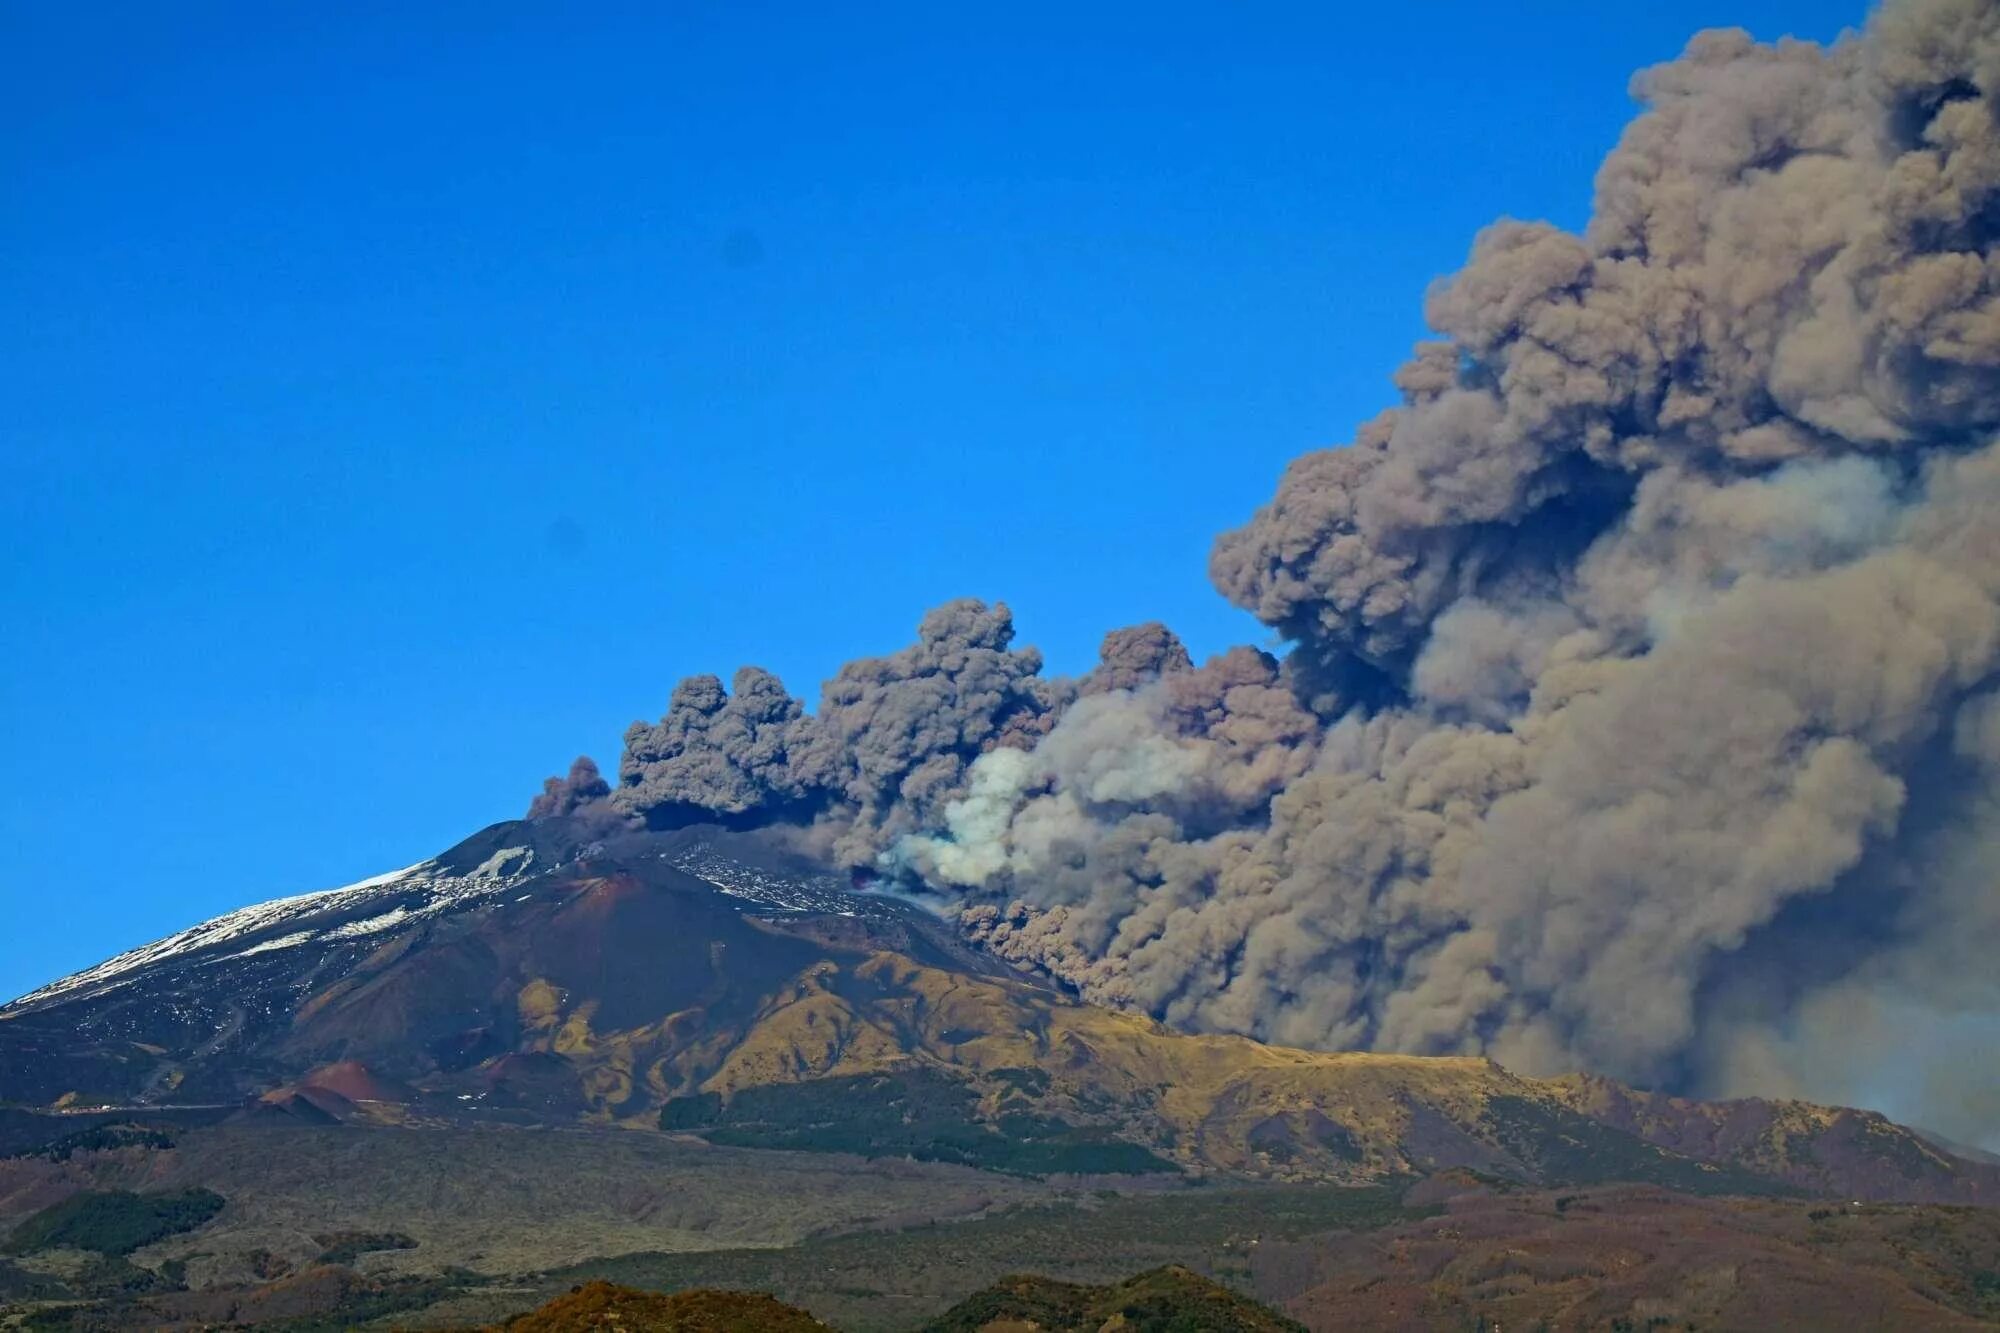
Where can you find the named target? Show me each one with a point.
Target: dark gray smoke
(562, 796)
(1640, 714)
(898, 732)
(889, 744)
(719, 753)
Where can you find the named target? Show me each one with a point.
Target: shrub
(929, 1117)
(101, 1138)
(113, 1222)
(344, 1247)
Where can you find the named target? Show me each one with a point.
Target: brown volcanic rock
(298, 1106)
(604, 1305)
(346, 1092)
(1164, 1300)
(634, 952)
(356, 1082)
(539, 1082)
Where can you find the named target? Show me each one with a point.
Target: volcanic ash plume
(889, 745)
(1640, 712)
(563, 796)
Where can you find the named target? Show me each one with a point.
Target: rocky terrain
(540, 974)
(1168, 1300)
(698, 1057)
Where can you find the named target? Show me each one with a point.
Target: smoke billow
(720, 753)
(563, 796)
(888, 747)
(1640, 707)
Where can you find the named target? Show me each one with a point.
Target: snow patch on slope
(440, 894)
(282, 942)
(371, 925)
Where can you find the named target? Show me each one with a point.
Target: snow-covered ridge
(440, 893)
(381, 903)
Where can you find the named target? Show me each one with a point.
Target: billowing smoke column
(1642, 710)
(563, 796)
(890, 743)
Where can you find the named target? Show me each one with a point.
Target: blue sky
(396, 400)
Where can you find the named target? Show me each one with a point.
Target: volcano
(727, 986)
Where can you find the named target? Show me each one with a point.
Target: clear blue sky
(395, 400)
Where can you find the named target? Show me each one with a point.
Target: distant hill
(1626, 1257)
(601, 1305)
(1166, 1300)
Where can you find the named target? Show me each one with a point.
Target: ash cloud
(723, 752)
(1638, 713)
(565, 795)
(889, 744)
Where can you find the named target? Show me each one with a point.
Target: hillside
(727, 985)
(1639, 1258)
(1451, 1252)
(600, 1305)
(699, 1058)
(1166, 1300)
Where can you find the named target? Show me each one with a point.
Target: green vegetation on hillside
(1165, 1300)
(925, 1116)
(1566, 1148)
(21, 1284)
(886, 1280)
(600, 1305)
(101, 1138)
(344, 1247)
(114, 1221)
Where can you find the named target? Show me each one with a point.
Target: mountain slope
(1165, 1300)
(1820, 1149)
(597, 1305)
(724, 984)
(425, 970)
